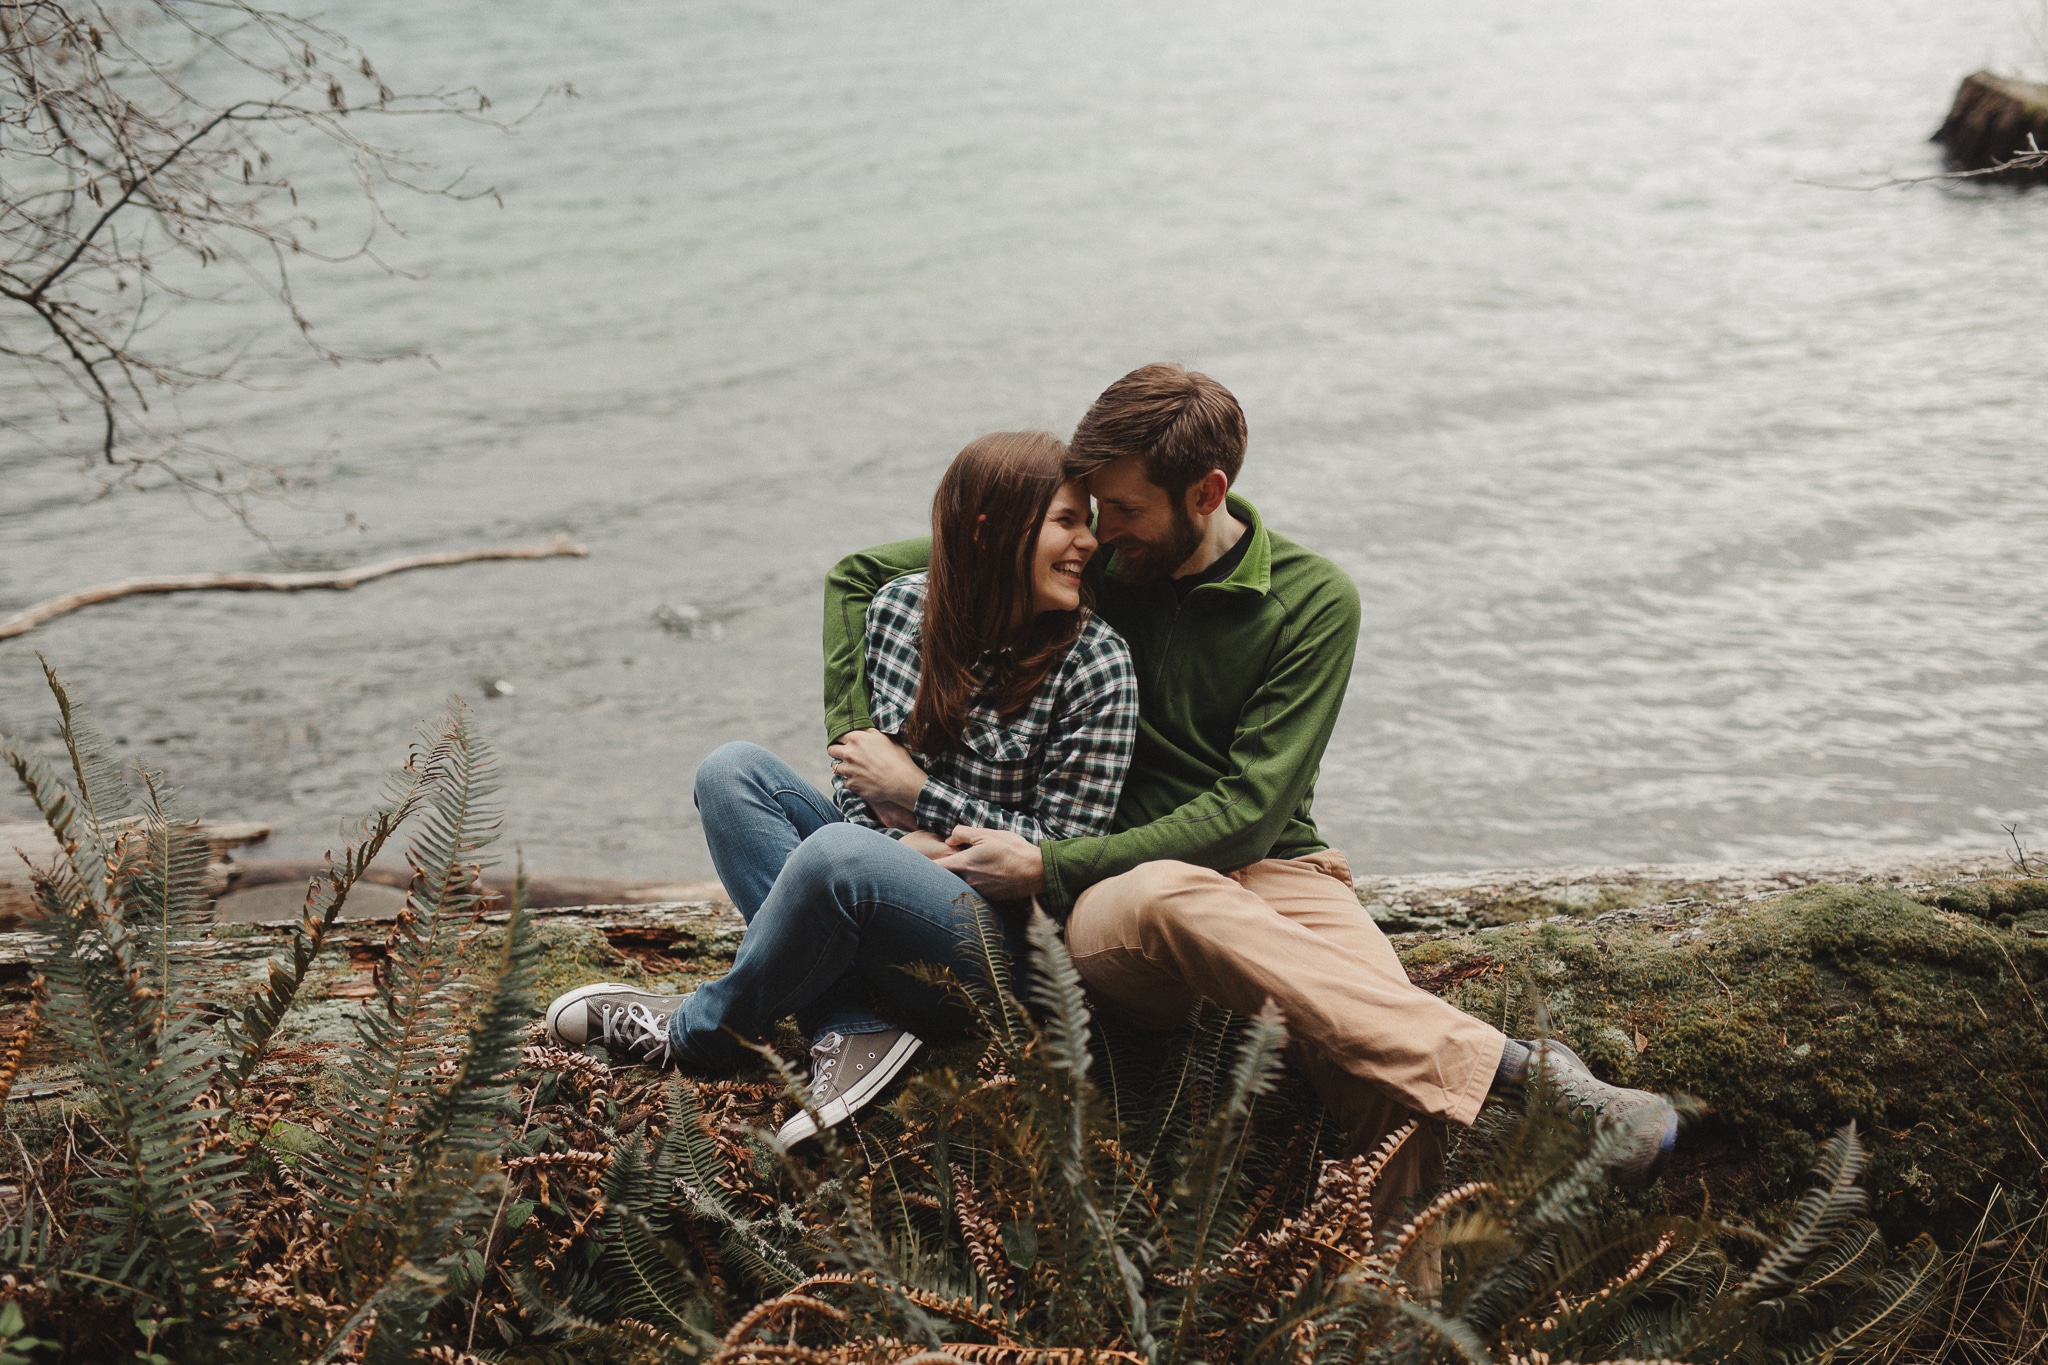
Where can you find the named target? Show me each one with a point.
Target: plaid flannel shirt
(1053, 772)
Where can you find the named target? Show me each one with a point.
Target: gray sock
(1512, 1075)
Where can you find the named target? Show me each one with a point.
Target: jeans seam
(809, 798)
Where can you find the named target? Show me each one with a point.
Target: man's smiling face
(1150, 529)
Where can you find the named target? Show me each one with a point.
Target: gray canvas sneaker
(848, 1070)
(624, 1018)
(1650, 1120)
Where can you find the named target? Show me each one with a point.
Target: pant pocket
(1330, 863)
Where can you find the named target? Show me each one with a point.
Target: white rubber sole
(569, 999)
(802, 1126)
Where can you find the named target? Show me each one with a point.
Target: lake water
(1698, 510)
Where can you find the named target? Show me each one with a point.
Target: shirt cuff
(1056, 900)
(940, 807)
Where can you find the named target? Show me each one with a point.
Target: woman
(1000, 700)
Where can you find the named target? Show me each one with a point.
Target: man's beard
(1155, 561)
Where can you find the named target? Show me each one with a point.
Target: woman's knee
(838, 852)
(729, 766)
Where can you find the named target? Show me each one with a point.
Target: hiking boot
(848, 1070)
(626, 1019)
(1651, 1120)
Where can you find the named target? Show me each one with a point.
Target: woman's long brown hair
(981, 642)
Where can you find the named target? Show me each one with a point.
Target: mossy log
(1916, 1011)
(1990, 124)
(1922, 1020)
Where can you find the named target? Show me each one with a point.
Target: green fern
(453, 1158)
(415, 1146)
(387, 1077)
(1817, 1217)
(249, 1037)
(1204, 1214)
(117, 995)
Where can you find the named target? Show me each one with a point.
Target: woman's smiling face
(1064, 545)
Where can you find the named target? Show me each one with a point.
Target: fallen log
(1917, 1015)
(342, 580)
(1913, 1010)
(26, 845)
(1998, 123)
(542, 892)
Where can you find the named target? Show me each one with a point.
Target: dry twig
(341, 580)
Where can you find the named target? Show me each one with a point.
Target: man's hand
(880, 772)
(1000, 865)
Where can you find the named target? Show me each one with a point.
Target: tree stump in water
(1990, 123)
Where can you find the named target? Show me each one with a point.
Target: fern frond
(401, 1038)
(452, 1159)
(993, 996)
(1453, 1332)
(1160, 1127)
(1203, 1216)
(1816, 1217)
(1056, 989)
(327, 894)
(159, 885)
(1849, 1257)
(466, 1115)
(650, 1273)
(690, 1166)
(161, 1215)
(1056, 986)
(102, 796)
(625, 1340)
(1894, 1305)
(10, 1060)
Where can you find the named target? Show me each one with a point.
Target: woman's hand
(880, 772)
(930, 845)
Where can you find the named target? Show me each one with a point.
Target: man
(1214, 882)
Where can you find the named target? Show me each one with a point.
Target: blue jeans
(834, 913)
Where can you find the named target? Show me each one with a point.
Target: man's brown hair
(1181, 423)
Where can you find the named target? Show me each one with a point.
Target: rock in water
(1991, 122)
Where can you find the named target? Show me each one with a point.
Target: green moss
(290, 1142)
(1490, 907)
(2005, 901)
(1832, 1004)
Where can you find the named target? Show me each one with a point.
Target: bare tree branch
(2033, 159)
(135, 154)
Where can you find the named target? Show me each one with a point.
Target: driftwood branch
(23, 622)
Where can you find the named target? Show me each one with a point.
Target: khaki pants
(1378, 1050)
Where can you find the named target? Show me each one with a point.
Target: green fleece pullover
(1238, 691)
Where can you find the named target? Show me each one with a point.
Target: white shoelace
(825, 1053)
(636, 1030)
